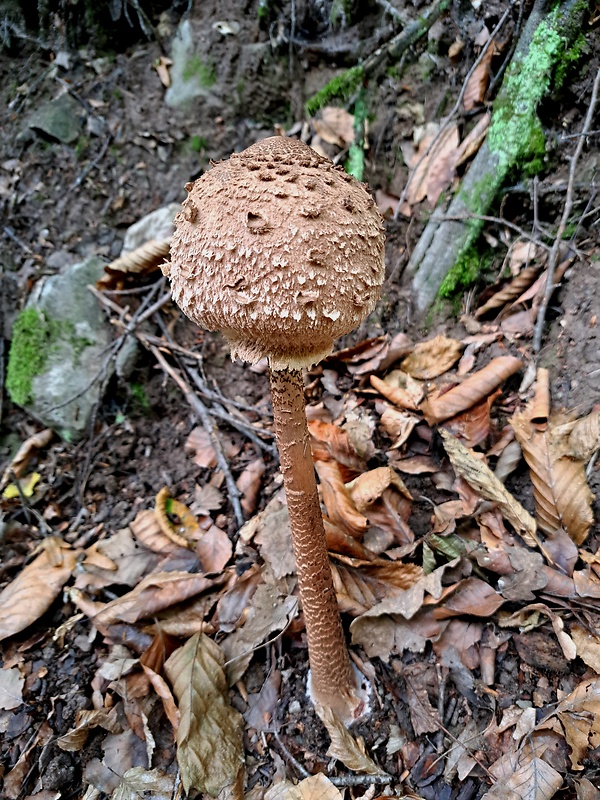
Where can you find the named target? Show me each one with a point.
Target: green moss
(342, 87)
(570, 58)
(34, 337)
(263, 12)
(196, 68)
(465, 272)
(197, 143)
(140, 397)
(341, 13)
(355, 163)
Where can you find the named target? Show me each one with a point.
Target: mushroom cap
(280, 250)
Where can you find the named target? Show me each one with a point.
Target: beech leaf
(210, 750)
(137, 781)
(35, 588)
(432, 358)
(562, 496)
(317, 787)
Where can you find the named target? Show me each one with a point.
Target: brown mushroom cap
(280, 250)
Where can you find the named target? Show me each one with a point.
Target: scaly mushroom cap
(280, 250)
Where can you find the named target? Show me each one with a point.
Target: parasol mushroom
(284, 252)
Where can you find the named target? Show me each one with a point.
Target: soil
(62, 203)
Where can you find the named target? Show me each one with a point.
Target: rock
(156, 225)
(61, 119)
(191, 75)
(58, 363)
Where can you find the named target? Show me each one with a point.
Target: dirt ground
(61, 203)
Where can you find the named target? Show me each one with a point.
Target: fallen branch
(514, 123)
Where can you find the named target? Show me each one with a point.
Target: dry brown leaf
(423, 716)
(588, 646)
(482, 480)
(336, 126)
(510, 291)
(398, 425)
(199, 446)
(332, 443)
(210, 749)
(137, 781)
(34, 589)
(154, 593)
(579, 714)
(472, 427)
(360, 586)
(317, 787)
(344, 746)
(26, 451)
(141, 261)
(432, 358)
(146, 529)
(416, 465)
(473, 141)
(526, 778)
(433, 162)
(274, 536)
(249, 483)
(473, 597)
(478, 81)
(400, 389)
(471, 390)
(562, 496)
(74, 739)
(214, 549)
(162, 689)
(584, 437)
(341, 509)
(370, 486)
(116, 560)
(386, 203)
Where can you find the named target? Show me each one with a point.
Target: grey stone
(60, 119)
(190, 76)
(156, 225)
(77, 365)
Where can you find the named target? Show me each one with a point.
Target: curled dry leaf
(26, 451)
(511, 291)
(400, 389)
(210, 750)
(274, 537)
(471, 390)
(584, 437)
(398, 425)
(478, 82)
(34, 590)
(473, 141)
(176, 520)
(137, 781)
(147, 530)
(473, 425)
(344, 746)
(74, 739)
(370, 486)
(480, 477)
(336, 126)
(140, 261)
(360, 586)
(332, 443)
(433, 162)
(562, 496)
(588, 646)
(340, 506)
(525, 776)
(473, 597)
(432, 358)
(249, 485)
(579, 715)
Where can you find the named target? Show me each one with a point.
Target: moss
(140, 397)
(570, 58)
(515, 133)
(342, 87)
(341, 13)
(355, 163)
(34, 338)
(263, 12)
(196, 68)
(197, 143)
(465, 272)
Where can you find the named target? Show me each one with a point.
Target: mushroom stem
(333, 680)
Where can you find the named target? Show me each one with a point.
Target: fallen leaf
(471, 390)
(433, 163)
(336, 126)
(478, 81)
(199, 446)
(344, 746)
(432, 358)
(583, 437)
(154, 593)
(143, 260)
(359, 586)
(274, 536)
(332, 443)
(26, 451)
(400, 389)
(579, 715)
(588, 646)
(317, 787)
(146, 529)
(473, 141)
(482, 480)
(398, 425)
(473, 426)
(161, 65)
(130, 562)
(214, 549)
(26, 487)
(34, 590)
(106, 718)
(210, 750)
(249, 483)
(423, 716)
(562, 496)
(11, 688)
(472, 596)
(137, 781)
(386, 203)
(263, 704)
(510, 291)
(529, 778)
(341, 509)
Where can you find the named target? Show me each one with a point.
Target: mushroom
(284, 252)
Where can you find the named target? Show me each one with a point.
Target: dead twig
(553, 258)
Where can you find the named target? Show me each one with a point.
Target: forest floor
(481, 636)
